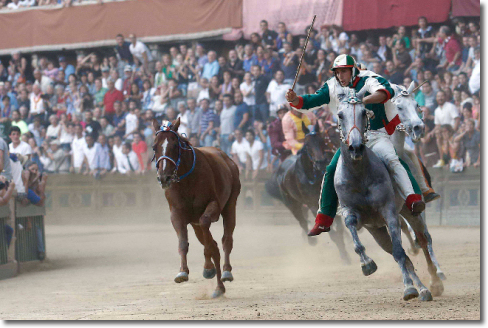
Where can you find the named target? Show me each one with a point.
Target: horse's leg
(425, 241)
(182, 233)
(229, 220)
(211, 214)
(208, 268)
(399, 255)
(337, 236)
(296, 208)
(383, 239)
(367, 264)
(407, 230)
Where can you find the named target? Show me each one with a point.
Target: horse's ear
(360, 94)
(411, 87)
(305, 129)
(317, 126)
(176, 125)
(155, 124)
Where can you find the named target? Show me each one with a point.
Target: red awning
(379, 14)
(97, 25)
(466, 8)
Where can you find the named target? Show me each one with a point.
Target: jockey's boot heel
(415, 204)
(322, 224)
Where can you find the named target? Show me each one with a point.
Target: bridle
(175, 177)
(354, 100)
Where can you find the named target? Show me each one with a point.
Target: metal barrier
(3, 241)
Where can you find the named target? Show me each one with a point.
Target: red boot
(415, 204)
(322, 224)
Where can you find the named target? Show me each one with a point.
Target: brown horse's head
(167, 152)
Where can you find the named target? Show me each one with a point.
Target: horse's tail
(273, 188)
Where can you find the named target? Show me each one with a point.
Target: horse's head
(314, 146)
(167, 151)
(354, 123)
(408, 110)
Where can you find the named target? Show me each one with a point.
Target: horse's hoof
(437, 288)
(217, 293)
(441, 275)
(227, 276)
(369, 269)
(181, 277)
(209, 273)
(409, 293)
(413, 251)
(425, 295)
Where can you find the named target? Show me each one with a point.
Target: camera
(4, 185)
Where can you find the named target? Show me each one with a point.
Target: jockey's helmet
(346, 61)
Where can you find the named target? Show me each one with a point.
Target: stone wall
(74, 199)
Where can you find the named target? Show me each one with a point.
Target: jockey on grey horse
(368, 198)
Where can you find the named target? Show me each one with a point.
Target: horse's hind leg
(229, 220)
(208, 268)
(367, 264)
(408, 231)
(399, 254)
(296, 208)
(182, 233)
(425, 241)
(383, 239)
(210, 215)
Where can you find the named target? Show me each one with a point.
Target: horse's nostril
(351, 148)
(416, 128)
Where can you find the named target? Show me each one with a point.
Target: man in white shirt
(43, 81)
(129, 163)
(92, 152)
(78, 146)
(18, 146)
(131, 122)
(227, 123)
(140, 51)
(36, 102)
(117, 149)
(276, 92)
(256, 154)
(54, 129)
(240, 149)
(183, 116)
(445, 114)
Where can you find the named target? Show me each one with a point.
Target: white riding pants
(380, 143)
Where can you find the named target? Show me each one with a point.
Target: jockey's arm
(377, 97)
(304, 102)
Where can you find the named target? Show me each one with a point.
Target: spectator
(268, 36)
(261, 82)
(36, 183)
(139, 147)
(235, 65)
(240, 150)
(471, 141)
(131, 122)
(18, 146)
(194, 117)
(58, 159)
(275, 93)
(123, 50)
(247, 89)
(393, 75)
(227, 123)
(36, 102)
(289, 63)
(66, 68)
(93, 158)
(18, 122)
(107, 128)
(242, 116)
(256, 155)
(206, 131)
(42, 80)
(211, 68)
(184, 128)
(140, 51)
(129, 162)
(452, 50)
(111, 96)
(276, 135)
(147, 95)
(53, 129)
(105, 151)
(401, 57)
(292, 128)
(92, 127)
(78, 146)
(250, 59)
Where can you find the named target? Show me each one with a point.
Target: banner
(466, 8)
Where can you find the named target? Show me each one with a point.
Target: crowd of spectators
(94, 116)
(19, 4)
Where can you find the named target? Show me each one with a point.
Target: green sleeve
(419, 98)
(319, 98)
(386, 85)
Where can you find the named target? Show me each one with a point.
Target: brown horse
(200, 185)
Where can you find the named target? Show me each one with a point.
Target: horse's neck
(306, 165)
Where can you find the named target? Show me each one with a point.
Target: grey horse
(367, 196)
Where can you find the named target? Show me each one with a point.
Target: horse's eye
(399, 108)
(364, 113)
(340, 115)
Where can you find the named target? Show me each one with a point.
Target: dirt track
(126, 272)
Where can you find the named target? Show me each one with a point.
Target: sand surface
(126, 272)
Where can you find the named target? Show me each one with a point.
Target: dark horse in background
(200, 185)
(298, 181)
